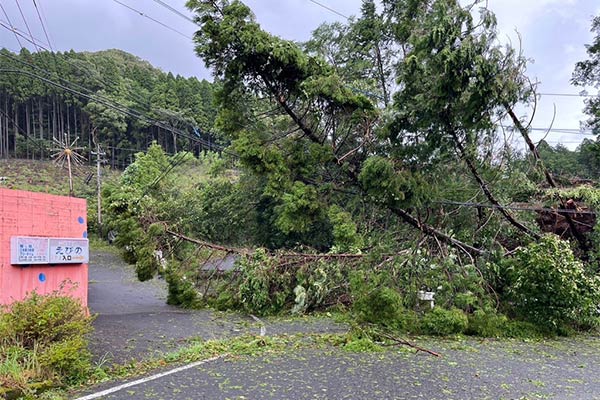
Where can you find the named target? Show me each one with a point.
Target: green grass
(47, 177)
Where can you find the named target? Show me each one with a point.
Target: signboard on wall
(28, 250)
(38, 250)
(68, 251)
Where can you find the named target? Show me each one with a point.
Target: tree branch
(549, 178)
(486, 190)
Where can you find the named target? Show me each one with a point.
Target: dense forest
(124, 101)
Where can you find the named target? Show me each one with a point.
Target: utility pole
(99, 160)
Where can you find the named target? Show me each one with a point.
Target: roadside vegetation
(43, 345)
(370, 204)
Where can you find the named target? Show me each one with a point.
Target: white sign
(38, 250)
(28, 250)
(69, 251)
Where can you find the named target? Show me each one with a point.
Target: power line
(179, 159)
(329, 9)
(43, 26)
(94, 77)
(153, 19)
(22, 34)
(567, 94)
(162, 3)
(123, 110)
(565, 131)
(10, 23)
(127, 110)
(26, 24)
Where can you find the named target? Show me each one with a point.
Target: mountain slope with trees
(124, 100)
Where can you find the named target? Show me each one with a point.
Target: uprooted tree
(358, 178)
(323, 137)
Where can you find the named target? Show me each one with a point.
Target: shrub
(181, 291)
(442, 322)
(42, 339)
(549, 287)
(69, 359)
(225, 301)
(41, 320)
(523, 330)
(487, 324)
(380, 306)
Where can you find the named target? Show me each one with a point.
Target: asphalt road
(134, 322)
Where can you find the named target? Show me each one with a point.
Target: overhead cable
(43, 25)
(153, 19)
(329, 9)
(25, 21)
(162, 3)
(10, 23)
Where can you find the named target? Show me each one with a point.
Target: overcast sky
(553, 33)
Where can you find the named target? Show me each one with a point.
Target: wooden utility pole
(99, 160)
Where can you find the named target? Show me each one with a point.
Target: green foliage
(587, 194)
(345, 231)
(225, 300)
(42, 320)
(68, 358)
(262, 290)
(380, 305)
(550, 288)
(487, 324)
(587, 73)
(299, 208)
(361, 344)
(43, 341)
(384, 184)
(318, 284)
(181, 290)
(443, 322)
(567, 165)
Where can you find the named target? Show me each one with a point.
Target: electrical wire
(22, 34)
(135, 114)
(125, 111)
(43, 26)
(10, 23)
(122, 108)
(26, 24)
(96, 78)
(329, 9)
(167, 6)
(153, 19)
(566, 94)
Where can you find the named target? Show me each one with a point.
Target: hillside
(47, 177)
(125, 101)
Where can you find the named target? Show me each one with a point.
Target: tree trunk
(27, 128)
(581, 239)
(16, 133)
(41, 122)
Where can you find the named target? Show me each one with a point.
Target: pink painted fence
(37, 214)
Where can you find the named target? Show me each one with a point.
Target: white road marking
(263, 329)
(148, 379)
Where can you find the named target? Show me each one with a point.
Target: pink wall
(37, 214)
